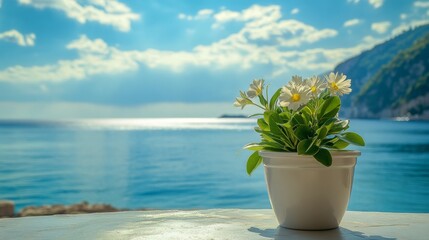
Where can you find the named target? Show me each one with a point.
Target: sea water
(190, 164)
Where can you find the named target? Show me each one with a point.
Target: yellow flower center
(334, 86)
(313, 89)
(296, 97)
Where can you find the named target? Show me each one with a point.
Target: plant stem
(259, 106)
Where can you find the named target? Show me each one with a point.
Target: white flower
(255, 88)
(315, 85)
(294, 96)
(338, 85)
(295, 82)
(242, 101)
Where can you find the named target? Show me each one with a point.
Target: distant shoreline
(56, 209)
(233, 116)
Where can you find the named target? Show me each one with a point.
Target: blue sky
(117, 58)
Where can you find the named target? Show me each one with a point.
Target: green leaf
(272, 144)
(340, 144)
(287, 125)
(306, 111)
(285, 116)
(329, 141)
(275, 116)
(305, 147)
(263, 125)
(324, 157)
(327, 122)
(253, 162)
(292, 138)
(339, 126)
(298, 119)
(332, 113)
(269, 136)
(274, 128)
(330, 104)
(274, 98)
(262, 100)
(303, 132)
(265, 145)
(352, 138)
(254, 147)
(267, 115)
(322, 132)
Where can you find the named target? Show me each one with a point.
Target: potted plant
(309, 177)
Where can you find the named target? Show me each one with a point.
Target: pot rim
(334, 153)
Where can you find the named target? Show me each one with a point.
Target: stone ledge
(209, 224)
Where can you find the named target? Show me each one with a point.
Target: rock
(83, 207)
(7, 208)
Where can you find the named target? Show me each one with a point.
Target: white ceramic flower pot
(306, 195)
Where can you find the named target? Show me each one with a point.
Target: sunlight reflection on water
(144, 124)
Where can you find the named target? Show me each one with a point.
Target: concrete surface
(209, 224)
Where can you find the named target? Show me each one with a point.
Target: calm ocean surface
(190, 163)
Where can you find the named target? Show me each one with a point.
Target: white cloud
(263, 23)
(309, 35)
(381, 27)
(95, 57)
(420, 4)
(202, 14)
(370, 40)
(403, 16)
(183, 16)
(255, 14)
(226, 16)
(294, 11)
(18, 38)
(407, 26)
(351, 22)
(264, 40)
(376, 3)
(107, 12)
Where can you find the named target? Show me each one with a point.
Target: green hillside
(400, 87)
(366, 65)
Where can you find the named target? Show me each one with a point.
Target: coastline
(7, 209)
